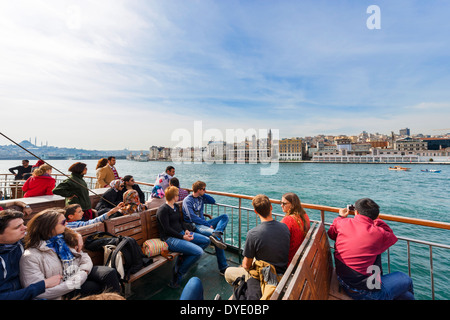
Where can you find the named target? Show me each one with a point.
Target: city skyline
(127, 75)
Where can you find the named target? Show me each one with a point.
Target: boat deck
(154, 286)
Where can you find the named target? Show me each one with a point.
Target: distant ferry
(140, 158)
(431, 170)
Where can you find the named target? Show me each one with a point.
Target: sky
(110, 75)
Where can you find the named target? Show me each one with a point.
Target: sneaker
(222, 271)
(217, 297)
(216, 239)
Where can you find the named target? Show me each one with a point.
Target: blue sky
(127, 74)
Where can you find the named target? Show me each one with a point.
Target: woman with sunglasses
(129, 184)
(52, 249)
(296, 219)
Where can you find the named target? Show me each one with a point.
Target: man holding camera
(359, 243)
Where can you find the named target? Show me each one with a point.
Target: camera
(350, 207)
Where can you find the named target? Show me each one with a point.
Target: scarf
(60, 246)
(132, 203)
(67, 258)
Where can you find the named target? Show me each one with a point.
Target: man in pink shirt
(359, 243)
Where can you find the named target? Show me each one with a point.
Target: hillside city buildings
(363, 148)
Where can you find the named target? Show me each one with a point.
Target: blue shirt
(193, 208)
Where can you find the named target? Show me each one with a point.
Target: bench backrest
(308, 276)
(132, 225)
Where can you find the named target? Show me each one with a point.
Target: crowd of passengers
(44, 258)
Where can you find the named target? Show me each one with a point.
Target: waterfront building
(291, 149)
(410, 144)
(379, 144)
(442, 155)
(154, 151)
(374, 155)
(437, 143)
(344, 144)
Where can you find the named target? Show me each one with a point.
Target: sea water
(413, 193)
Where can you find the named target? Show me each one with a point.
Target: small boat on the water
(431, 170)
(398, 168)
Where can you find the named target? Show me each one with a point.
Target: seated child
(74, 214)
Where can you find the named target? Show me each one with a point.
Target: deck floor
(154, 286)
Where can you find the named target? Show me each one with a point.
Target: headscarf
(38, 164)
(115, 184)
(158, 192)
(132, 203)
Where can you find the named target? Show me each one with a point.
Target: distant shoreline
(280, 161)
(350, 162)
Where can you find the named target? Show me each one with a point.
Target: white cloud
(91, 67)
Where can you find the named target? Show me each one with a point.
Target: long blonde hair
(296, 209)
(41, 170)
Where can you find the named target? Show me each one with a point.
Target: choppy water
(412, 193)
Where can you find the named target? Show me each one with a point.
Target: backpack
(123, 253)
(99, 239)
(246, 290)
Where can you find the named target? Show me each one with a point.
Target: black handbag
(188, 226)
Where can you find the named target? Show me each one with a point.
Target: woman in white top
(53, 249)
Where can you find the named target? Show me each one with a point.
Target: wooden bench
(310, 275)
(140, 226)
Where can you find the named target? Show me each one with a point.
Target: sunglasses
(64, 222)
(284, 203)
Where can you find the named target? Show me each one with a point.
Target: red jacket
(38, 186)
(359, 242)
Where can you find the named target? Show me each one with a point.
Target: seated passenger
(40, 184)
(162, 182)
(111, 198)
(37, 165)
(131, 204)
(12, 231)
(359, 242)
(50, 251)
(129, 184)
(193, 206)
(74, 214)
(191, 244)
(296, 219)
(268, 242)
(176, 183)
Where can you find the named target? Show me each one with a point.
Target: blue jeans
(394, 286)
(193, 290)
(191, 250)
(219, 224)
